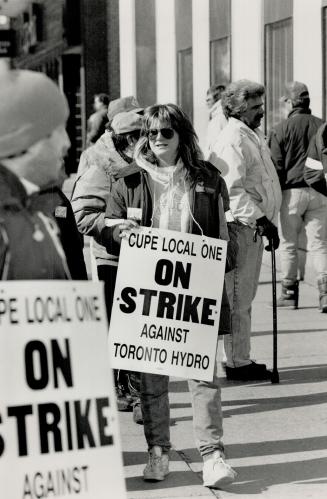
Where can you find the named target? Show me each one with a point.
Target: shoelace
(154, 460)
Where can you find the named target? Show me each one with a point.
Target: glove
(269, 230)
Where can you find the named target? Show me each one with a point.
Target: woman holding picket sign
(169, 178)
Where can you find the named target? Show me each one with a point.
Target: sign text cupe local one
(59, 431)
(166, 309)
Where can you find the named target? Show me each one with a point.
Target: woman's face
(164, 142)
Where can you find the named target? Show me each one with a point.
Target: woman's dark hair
(188, 150)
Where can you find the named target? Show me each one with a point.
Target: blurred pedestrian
(96, 124)
(176, 190)
(255, 199)
(302, 206)
(217, 119)
(97, 172)
(33, 142)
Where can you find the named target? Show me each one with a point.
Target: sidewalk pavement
(275, 435)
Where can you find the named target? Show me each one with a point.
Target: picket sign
(166, 308)
(59, 434)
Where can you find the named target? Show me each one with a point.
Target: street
(275, 435)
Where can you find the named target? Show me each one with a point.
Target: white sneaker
(158, 465)
(216, 472)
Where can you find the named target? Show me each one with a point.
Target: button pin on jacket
(134, 213)
(38, 235)
(199, 188)
(61, 212)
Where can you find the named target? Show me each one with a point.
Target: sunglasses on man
(167, 133)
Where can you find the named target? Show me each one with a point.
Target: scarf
(171, 206)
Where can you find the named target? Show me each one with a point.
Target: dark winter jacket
(97, 167)
(133, 189)
(315, 172)
(289, 142)
(29, 244)
(55, 204)
(96, 126)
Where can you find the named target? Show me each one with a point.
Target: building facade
(172, 50)
(76, 43)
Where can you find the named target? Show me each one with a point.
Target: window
(220, 61)
(278, 66)
(185, 81)
(220, 42)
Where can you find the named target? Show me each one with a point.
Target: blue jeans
(241, 285)
(207, 413)
(303, 207)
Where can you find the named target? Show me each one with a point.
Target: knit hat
(126, 122)
(295, 90)
(123, 104)
(31, 107)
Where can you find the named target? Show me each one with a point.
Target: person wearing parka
(175, 189)
(33, 142)
(54, 203)
(99, 165)
(29, 248)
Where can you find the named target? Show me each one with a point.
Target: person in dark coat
(33, 142)
(54, 203)
(315, 171)
(302, 206)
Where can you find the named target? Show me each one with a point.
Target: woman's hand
(126, 227)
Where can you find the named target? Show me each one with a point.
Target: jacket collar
(299, 110)
(256, 134)
(103, 152)
(128, 170)
(215, 110)
(12, 191)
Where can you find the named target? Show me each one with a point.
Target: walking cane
(274, 374)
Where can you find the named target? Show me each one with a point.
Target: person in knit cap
(175, 189)
(99, 165)
(33, 142)
(123, 105)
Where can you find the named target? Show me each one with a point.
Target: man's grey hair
(235, 98)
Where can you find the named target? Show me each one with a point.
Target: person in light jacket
(255, 198)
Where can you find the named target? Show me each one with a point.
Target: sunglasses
(167, 133)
